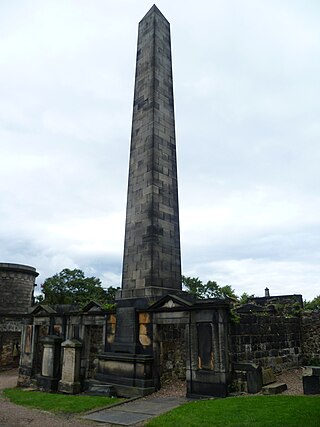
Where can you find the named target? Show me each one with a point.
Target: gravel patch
(176, 388)
(293, 379)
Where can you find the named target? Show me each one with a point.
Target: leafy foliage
(211, 289)
(193, 285)
(313, 304)
(244, 298)
(73, 287)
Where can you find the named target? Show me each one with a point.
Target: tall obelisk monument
(152, 263)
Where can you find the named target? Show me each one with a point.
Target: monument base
(96, 388)
(47, 383)
(69, 388)
(206, 384)
(129, 374)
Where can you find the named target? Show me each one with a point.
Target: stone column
(70, 377)
(50, 371)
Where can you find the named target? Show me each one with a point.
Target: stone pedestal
(70, 377)
(50, 371)
(128, 364)
(130, 374)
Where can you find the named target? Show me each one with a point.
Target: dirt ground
(12, 415)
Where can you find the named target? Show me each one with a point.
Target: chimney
(266, 292)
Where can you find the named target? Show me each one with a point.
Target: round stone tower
(16, 288)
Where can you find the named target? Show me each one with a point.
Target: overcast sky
(247, 99)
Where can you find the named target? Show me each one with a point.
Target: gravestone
(50, 368)
(70, 377)
(268, 376)
(251, 373)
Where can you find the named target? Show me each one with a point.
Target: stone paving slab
(136, 411)
(152, 407)
(122, 418)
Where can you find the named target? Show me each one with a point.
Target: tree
(245, 297)
(211, 289)
(313, 304)
(193, 285)
(72, 287)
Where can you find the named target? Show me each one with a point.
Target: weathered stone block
(274, 388)
(311, 384)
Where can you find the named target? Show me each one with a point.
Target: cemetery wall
(172, 351)
(268, 340)
(310, 332)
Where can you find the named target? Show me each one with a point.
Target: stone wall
(172, 352)
(95, 346)
(10, 333)
(268, 340)
(311, 338)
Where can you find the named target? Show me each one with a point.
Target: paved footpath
(136, 411)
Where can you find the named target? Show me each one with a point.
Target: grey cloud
(246, 95)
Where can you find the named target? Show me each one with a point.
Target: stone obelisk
(151, 299)
(152, 263)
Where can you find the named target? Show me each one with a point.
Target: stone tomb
(60, 344)
(199, 352)
(68, 350)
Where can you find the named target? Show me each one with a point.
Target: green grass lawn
(253, 411)
(58, 403)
